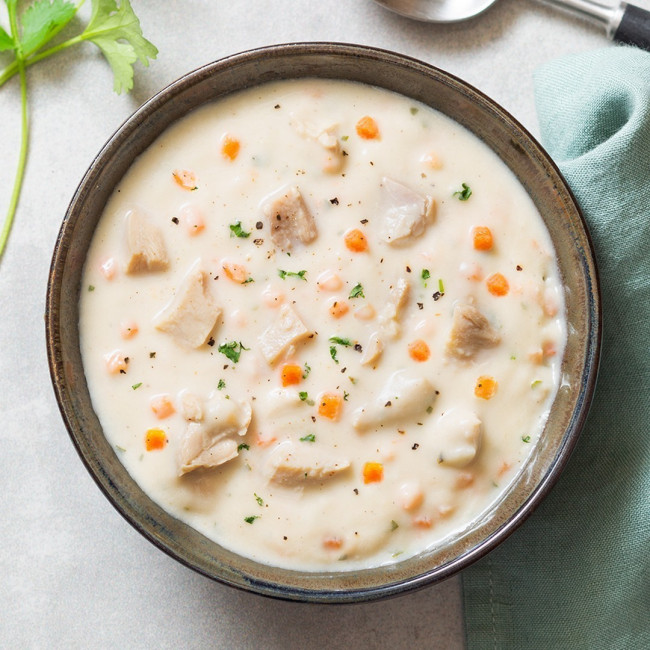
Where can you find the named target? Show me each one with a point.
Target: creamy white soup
(322, 324)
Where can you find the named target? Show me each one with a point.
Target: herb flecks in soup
(326, 325)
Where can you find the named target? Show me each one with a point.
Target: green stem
(22, 156)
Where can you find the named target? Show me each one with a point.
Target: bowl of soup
(323, 322)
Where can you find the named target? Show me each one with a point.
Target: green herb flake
(237, 231)
(429, 409)
(306, 372)
(251, 519)
(425, 275)
(536, 383)
(221, 385)
(333, 353)
(91, 287)
(310, 437)
(292, 274)
(414, 110)
(345, 138)
(345, 395)
(393, 525)
(441, 286)
(339, 341)
(463, 194)
(248, 280)
(136, 386)
(525, 438)
(242, 445)
(357, 292)
(120, 448)
(232, 350)
(260, 501)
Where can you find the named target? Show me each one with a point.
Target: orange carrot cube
(356, 241)
(291, 374)
(339, 308)
(230, 147)
(497, 284)
(330, 405)
(419, 350)
(331, 542)
(486, 387)
(373, 472)
(155, 439)
(483, 240)
(367, 128)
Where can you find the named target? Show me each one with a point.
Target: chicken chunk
(402, 397)
(405, 213)
(290, 220)
(286, 330)
(458, 436)
(214, 440)
(470, 332)
(373, 350)
(389, 316)
(145, 244)
(192, 313)
(327, 139)
(291, 465)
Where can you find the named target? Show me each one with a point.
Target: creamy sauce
(395, 428)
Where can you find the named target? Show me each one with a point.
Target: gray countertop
(74, 573)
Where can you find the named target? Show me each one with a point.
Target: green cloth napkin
(577, 573)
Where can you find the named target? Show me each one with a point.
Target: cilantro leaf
(333, 353)
(237, 231)
(310, 437)
(339, 341)
(116, 32)
(42, 20)
(357, 291)
(292, 274)
(463, 194)
(251, 519)
(232, 350)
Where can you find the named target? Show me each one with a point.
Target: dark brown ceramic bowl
(439, 90)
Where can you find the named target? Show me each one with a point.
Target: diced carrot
(339, 308)
(486, 387)
(329, 281)
(330, 405)
(422, 521)
(185, 178)
(464, 480)
(419, 350)
(128, 329)
(108, 268)
(230, 147)
(162, 406)
(367, 312)
(116, 362)
(373, 472)
(155, 439)
(332, 542)
(291, 374)
(497, 284)
(549, 349)
(537, 356)
(235, 272)
(192, 220)
(411, 496)
(367, 128)
(483, 240)
(356, 241)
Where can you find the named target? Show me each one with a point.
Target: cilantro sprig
(232, 350)
(113, 28)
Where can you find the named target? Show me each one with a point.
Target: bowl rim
(56, 360)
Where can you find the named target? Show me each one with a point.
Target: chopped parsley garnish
(292, 274)
(345, 395)
(333, 353)
(425, 276)
(305, 374)
(237, 231)
(339, 341)
(260, 501)
(536, 383)
(441, 286)
(243, 445)
(136, 386)
(304, 397)
(429, 409)
(251, 519)
(248, 280)
(232, 350)
(345, 138)
(463, 194)
(357, 292)
(221, 385)
(310, 437)
(91, 287)
(393, 525)
(525, 438)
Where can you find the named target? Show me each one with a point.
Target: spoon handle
(634, 28)
(623, 22)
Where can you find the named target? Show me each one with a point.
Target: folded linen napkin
(577, 573)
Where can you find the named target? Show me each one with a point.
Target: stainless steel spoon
(623, 22)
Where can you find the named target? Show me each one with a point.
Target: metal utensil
(623, 22)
